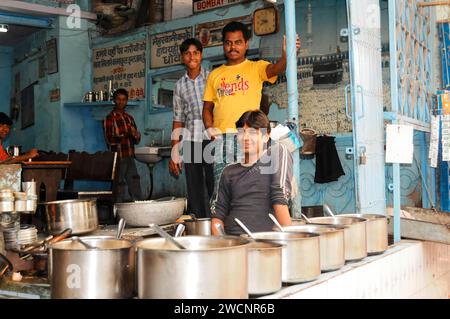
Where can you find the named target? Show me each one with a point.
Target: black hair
(120, 91)
(254, 119)
(188, 42)
(5, 119)
(234, 26)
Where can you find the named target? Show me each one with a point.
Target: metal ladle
(179, 231)
(275, 221)
(120, 228)
(78, 239)
(220, 229)
(306, 218)
(244, 228)
(328, 209)
(166, 236)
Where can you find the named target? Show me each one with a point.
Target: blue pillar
(426, 191)
(395, 108)
(291, 76)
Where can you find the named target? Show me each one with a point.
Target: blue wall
(6, 61)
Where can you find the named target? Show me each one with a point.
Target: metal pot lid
(194, 244)
(70, 201)
(366, 216)
(198, 220)
(283, 236)
(100, 243)
(337, 220)
(314, 228)
(261, 244)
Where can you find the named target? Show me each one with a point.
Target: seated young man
(259, 185)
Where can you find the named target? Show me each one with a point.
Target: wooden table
(48, 173)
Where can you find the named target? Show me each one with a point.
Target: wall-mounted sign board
(124, 64)
(210, 33)
(204, 5)
(165, 47)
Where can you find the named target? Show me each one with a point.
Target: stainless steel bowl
(78, 214)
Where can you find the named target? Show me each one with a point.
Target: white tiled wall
(409, 269)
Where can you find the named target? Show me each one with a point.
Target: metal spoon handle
(220, 229)
(328, 209)
(275, 221)
(120, 228)
(306, 218)
(244, 228)
(78, 239)
(165, 235)
(179, 230)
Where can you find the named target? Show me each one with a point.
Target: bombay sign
(204, 5)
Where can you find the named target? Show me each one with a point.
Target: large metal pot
(376, 232)
(264, 267)
(210, 268)
(78, 214)
(354, 234)
(105, 272)
(300, 255)
(198, 226)
(332, 244)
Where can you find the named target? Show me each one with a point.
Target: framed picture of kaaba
(52, 56)
(27, 106)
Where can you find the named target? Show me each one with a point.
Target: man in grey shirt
(259, 185)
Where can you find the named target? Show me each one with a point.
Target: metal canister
(89, 97)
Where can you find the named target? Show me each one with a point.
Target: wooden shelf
(100, 104)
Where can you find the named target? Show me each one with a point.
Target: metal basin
(105, 272)
(209, 267)
(376, 232)
(332, 244)
(151, 154)
(78, 214)
(159, 212)
(300, 255)
(264, 267)
(354, 234)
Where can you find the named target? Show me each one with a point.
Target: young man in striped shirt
(188, 129)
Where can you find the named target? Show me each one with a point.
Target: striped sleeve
(220, 207)
(281, 183)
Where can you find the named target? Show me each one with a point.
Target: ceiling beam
(434, 3)
(37, 9)
(29, 21)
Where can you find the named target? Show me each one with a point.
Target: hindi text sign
(123, 64)
(165, 47)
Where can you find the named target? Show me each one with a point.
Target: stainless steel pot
(354, 234)
(198, 227)
(376, 232)
(78, 214)
(332, 244)
(105, 272)
(209, 267)
(300, 255)
(264, 267)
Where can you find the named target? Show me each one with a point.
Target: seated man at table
(260, 184)
(5, 158)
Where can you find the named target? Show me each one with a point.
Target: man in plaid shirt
(121, 135)
(188, 124)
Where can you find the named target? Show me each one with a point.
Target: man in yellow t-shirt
(233, 89)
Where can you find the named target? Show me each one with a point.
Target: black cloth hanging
(328, 165)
